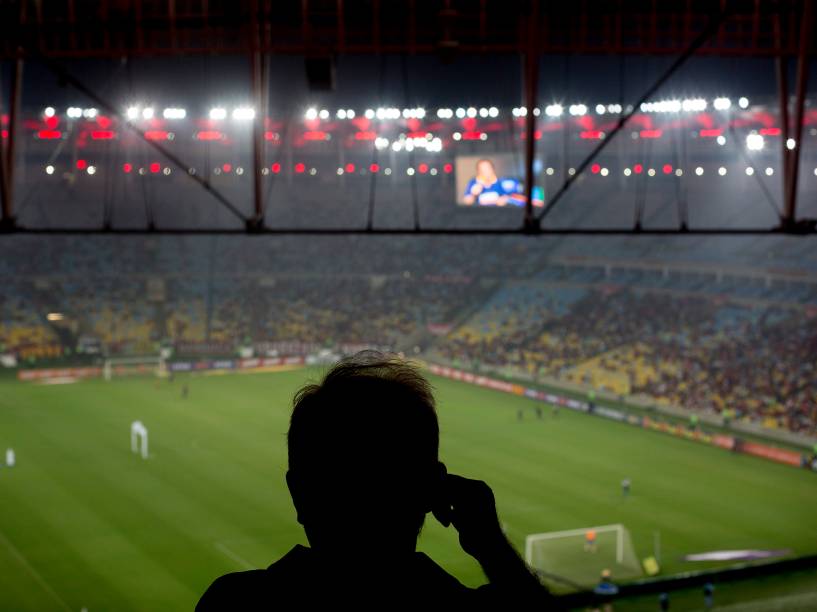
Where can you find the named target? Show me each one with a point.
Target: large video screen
(494, 180)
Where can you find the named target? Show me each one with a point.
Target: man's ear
(296, 493)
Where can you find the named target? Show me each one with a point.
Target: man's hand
(469, 505)
(471, 509)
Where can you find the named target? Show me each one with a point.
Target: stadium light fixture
(679, 172)
(722, 104)
(693, 105)
(743, 102)
(754, 142)
(549, 171)
(769, 171)
(147, 113)
(340, 113)
(651, 172)
(55, 316)
(721, 140)
(91, 170)
(493, 112)
(218, 113)
(49, 111)
(243, 113)
(552, 110)
(577, 110)
(49, 169)
(174, 113)
(749, 171)
(410, 171)
(722, 171)
(791, 143)
(90, 113)
(460, 112)
(627, 172)
(132, 112)
(600, 109)
(471, 112)
(605, 172)
(699, 171)
(323, 114)
(74, 112)
(483, 112)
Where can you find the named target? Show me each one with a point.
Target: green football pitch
(84, 523)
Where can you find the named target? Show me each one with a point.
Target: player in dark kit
(185, 391)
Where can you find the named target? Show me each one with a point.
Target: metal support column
(258, 84)
(8, 221)
(531, 90)
(790, 205)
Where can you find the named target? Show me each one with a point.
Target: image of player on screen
(488, 189)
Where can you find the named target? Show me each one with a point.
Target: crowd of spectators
(742, 360)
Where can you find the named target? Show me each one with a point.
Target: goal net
(576, 558)
(134, 366)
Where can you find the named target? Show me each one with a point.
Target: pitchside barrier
(731, 443)
(200, 365)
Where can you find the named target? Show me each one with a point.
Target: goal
(565, 555)
(134, 366)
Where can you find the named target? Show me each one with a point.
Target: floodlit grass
(85, 523)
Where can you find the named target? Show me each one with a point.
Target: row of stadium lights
(350, 168)
(246, 113)
(275, 168)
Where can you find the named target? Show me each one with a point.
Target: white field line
(37, 576)
(232, 555)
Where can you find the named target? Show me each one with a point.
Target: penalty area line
(233, 556)
(34, 573)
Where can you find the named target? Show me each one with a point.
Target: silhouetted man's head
(363, 455)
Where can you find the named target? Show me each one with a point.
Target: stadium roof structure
(60, 32)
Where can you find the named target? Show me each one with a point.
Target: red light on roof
(350, 168)
(102, 135)
(104, 122)
(711, 133)
(155, 167)
(472, 135)
(595, 168)
(374, 168)
(52, 122)
(667, 168)
(126, 167)
(650, 133)
(227, 167)
(365, 135)
(270, 135)
(638, 168)
(4, 134)
(81, 164)
(156, 135)
(770, 131)
(300, 168)
(315, 135)
(209, 135)
(423, 168)
(591, 134)
(48, 134)
(276, 168)
(448, 168)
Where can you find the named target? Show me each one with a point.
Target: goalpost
(129, 366)
(564, 553)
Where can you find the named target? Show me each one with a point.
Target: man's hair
(369, 402)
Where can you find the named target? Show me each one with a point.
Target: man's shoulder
(243, 590)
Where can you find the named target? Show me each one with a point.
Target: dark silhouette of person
(363, 474)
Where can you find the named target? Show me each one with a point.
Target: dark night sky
(201, 82)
